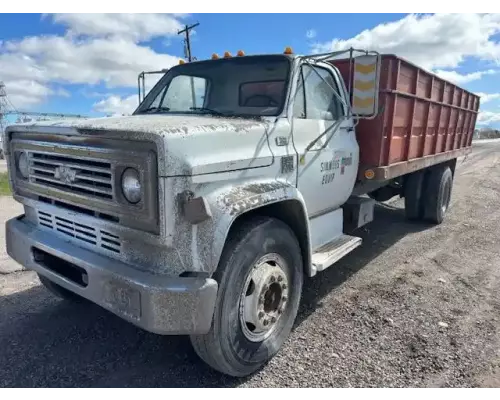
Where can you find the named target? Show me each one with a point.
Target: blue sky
(88, 64)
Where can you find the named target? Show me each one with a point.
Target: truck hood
(192, 144)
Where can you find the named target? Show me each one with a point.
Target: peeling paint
(246, 197)
(194, 144)
(160, 124)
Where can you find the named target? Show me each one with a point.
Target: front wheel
(260, 279)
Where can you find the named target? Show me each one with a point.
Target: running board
(328, 254)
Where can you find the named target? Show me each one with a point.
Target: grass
(4, 184)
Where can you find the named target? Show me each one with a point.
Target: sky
(88, 63)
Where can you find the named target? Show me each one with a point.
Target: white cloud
(151, 80)
(62, 93)
(458, 78)
(431, 41)
(136, 27)
(115, 61)
(488, 118)
(27, 92)
(105, 54)
(486, 97)
(116, 105)
(311, 33)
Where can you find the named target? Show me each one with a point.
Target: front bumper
(156, 303)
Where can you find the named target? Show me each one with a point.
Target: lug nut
(273, 279)
(284, 298)
(261, 315)
(284, 285)
(280, 278)
(261, 300)
(266, 322)
(280, 310)
(265, 288)
(273, 320)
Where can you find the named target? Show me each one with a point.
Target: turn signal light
(227, 54)
(288, 50)
(215, 56)
(182, 62)
(240, 53)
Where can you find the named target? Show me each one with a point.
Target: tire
(413, 194)
(438, 187)
(59, 291)
(382, 194)
(227, 347)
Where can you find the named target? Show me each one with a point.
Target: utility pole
(187, 40)
(187, 53)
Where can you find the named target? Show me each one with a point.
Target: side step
(330, 253)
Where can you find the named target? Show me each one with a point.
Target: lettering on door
(328, 168)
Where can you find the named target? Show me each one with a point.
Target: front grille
(81, 232)
(82, 176)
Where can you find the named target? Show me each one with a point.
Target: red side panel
(421, 115)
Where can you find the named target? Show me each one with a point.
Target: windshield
(240, 86)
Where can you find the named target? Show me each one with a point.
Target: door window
(315, 98)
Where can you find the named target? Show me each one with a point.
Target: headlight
(131, 185)
(23, 165)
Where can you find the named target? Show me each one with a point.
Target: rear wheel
(260, 282)
(438, 187)
(413, 194)
(59, 291)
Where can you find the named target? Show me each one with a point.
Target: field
(4, 184)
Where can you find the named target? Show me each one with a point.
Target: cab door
(327, 169)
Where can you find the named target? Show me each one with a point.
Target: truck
(235, 180)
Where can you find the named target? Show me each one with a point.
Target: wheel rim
(264, 297)
(446, 196)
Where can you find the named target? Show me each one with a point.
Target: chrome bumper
(156, 303)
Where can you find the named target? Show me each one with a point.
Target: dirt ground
(416, 305)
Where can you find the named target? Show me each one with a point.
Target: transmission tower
(7, 108)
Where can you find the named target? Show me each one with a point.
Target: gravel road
(414, 306)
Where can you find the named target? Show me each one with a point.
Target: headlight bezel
(19, 156)
(133, 193)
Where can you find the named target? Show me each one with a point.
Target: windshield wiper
(207, 110)
(155, 109)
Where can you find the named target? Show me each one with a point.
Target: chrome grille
(76, 175)
(81, 232)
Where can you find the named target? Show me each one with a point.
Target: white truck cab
(202, 212)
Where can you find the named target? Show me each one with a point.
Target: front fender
(226, 204)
